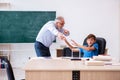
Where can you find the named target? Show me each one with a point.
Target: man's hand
(66, 32)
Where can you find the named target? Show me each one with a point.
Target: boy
(89, 50)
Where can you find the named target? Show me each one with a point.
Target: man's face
(90, 41)
(60, 24)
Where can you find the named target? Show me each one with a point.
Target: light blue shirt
(91, 53)
(48, 33)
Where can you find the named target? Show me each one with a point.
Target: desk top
(60, 64)
(49, 64)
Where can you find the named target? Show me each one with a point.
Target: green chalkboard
(22, 26)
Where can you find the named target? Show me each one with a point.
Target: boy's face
(90, 41)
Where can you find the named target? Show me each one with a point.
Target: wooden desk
(63, 69)
(49, 69)
(107, 72)
(59, 52)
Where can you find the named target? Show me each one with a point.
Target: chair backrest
(101, 44)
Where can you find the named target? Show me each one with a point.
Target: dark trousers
(41, 50)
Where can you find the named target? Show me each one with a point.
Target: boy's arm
(88, 48)
(70, 46)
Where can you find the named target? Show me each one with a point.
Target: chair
(101, 48)
(68, 53)
(9, 69)
(101, 45)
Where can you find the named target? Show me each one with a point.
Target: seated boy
(89, 50)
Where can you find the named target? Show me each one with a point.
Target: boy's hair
(91, 36)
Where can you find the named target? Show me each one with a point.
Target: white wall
(101, 17)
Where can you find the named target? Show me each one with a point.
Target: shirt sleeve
(81, 50)
(95, 46)
(53, 30)
(62, 31)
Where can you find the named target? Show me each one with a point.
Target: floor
(18, 73)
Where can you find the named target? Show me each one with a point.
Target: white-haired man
(48, 34)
